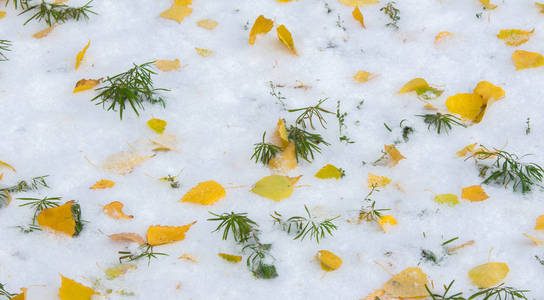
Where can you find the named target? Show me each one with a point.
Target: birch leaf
(422, 89)
(81, 55)
(539, 223)
(357, 15)
(262, 25)
(468, 106)
(275, 187)
(207, 24)
(124, 162)
(442, 36)
(115, 210)
(409, 283)
(127, 237)
(487, 90)
(284, 161)
(363, 76)
(540, 6)
(488, 275)
(205, 193)
(157, 125)
(230, 258)
(474, 193)
(166, 65)
(43, 33)
(394, 154)
(203, 52)
(359, 2)
(72, 290)
(488, 5)
(160, 235)
(59, 219)
(329, 171)
(119, 270)
(102, 184)
(286, 38)
(328, 260)
(514, 37)
(377, 181)
(2, 14)
(386, 220)
(178, 11)
(525, 59)
(466, 150)
(448, 199)
(86, 84)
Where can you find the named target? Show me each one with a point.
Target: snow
(219, 106)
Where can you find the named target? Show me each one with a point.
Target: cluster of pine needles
(441, 122)
(55, 13)
(499, 292)
(4, 46)
(304, 227)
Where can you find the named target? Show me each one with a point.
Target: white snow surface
(220, 105)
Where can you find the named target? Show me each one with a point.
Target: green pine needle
(264, 152)
(39, 204)
(53, 13)
(441, 122)
(445, 296)
(238, 224)
(18, 3)
(306, 143)
(309, 112)
(145, 250)
(306, 226)
(5, 293)
(4, 46)
(22, 186)
(500, 292)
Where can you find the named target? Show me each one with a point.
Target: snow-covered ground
(218, 107)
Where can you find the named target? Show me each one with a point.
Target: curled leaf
(474, 193)
(160, 235)
(102, 184)
(230, 258)
(115, 211)
(205, 193)
(275, 187)
(410, 283)
(127, 237)
(442, 36)
(81, 54)
(357, 15)
(86, 84)
(329, 261)
(525, 59)
(488, 275)
(514, 37)
(166, 65)
(262, 25)
(43, 33)
(285, 37)
(6, 165)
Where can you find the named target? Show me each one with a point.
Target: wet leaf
(514, 37)
(203, 52)
(409, 283)
(474, 193)
(119, 270)
(43, 33)
(127, 237)
(207, 24)
(363, 76)
(157, 125)
(166, 65)
(284, 161)
(72, 290)
(394, 154)
(377, 181)
(447, 199)
(328, 171)
(59, 219)
(385, 221)
(230, 258)
(356, 13)
(124, 162)
(539, 223)
(442, 36)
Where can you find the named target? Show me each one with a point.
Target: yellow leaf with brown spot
(488, 275)
(377, 181)
(124, 162)
(410, 283)
(525, 59)
(442, 36)
(487, 90)
(102, 184)
(43, 33)
(178, 11)
(284, 161)
(514, 37)
(203, 52)
(230, 258)
(6, 165)
(359, 2)
(207, 24)
(127, 237)
(286, 38)
(448, 199)
(356, 13)
(73, 290)
(160, 235)
(488, 5)
(329, 261)
(275, 187)
(166, 65)
(474, 193)
(386, 220)
(115, 211)
(537, 241)
(466, 150)
(262, 25)
(539, 223)
(81, 54)
(59, 219)
(157, 125)
(329, 171)
(205, 193)
(86, 84)
(363, 76)
(469, 106)
(394, 154)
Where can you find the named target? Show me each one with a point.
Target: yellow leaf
(537, 241)
(329, 261)
(514, 37)
(102, 184)
(488, 4)
(115, 210)
(525, 59)
(284, 1)
(165, 142)
(474, 193)
(58, 219)
(430, 107)
(157, 125)
(21, 296)
(386, 220)
(540, 223)
(127, 237)
(395, 155)
(205, 193)
(2, 14)
(359, 2)
(284, 161)
(377, 181)
(6, 165)
(409, 283)
(230, 258)
(160, 235)
(262, 25)
(488, 275)
(166, 65)
(487, 90)
(207, 24)
(188, 257)
(448, 199)
(540, 6)
(178, 11)
(329, 171)
(81, 54)
(422, 89)
(86, 84)
(203, 52)
(442, 36)
(363, 76)
(356, 13)
(275, 187)
(281, 138)
(72, 290)
(119, 270)
(123, 162)
(468, 106)
(285, 37)
(43, 33)
(466, 150)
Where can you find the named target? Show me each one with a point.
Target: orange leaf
(102, 184)
(474, 193)
(540, 223)
(356, 13)
(115, 210)
(160, 235)
(59, 218)
(127, 237)
(394, 154)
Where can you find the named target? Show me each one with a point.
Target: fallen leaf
(178, 11)
(442, 36)
(363, 76)
(356, 13)
(286, 38)
(157, 125)
(166, 65)
(394, 154)
(466, 150)
(284, 161)
(409, 283)
(540, 6)
(188, 257)
(540, 223)
(487, 90)
(488, 4)
(127, 237)
(86, 84)
(205, 193)
(537, 241)
(386, 220)
(422, 89)
(359, 2)
(262, 25)
(525, 59)
(207, 24)
(43, 33)
(116, 271)
(203, 52)
(2, 14)
(230, 258)
(488, 275)
(81, 54)
(6, 165)
(469, 106)
(281, 138)
(160, 235)
(514, 37)
(59, 219)
(124, 162)
(448, 199)
(102, 184)
(115, 211)
(21, 296)
(377, 294)
(377, 181)
(164, 142)
(474, 193)
(72, 290)
(275, 187)
(329, 261)
(430, 107)
(329, 171)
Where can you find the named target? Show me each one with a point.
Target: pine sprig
(508, 168)
(309, 112)
(306, 143)
(23, 186)
(4, 46)
(306, 226)
(52, 13)
(144, 251)
(369, 212)
(441, 122)
(264, 152)
(18, 3)
(445, 296)
(393, 13)
(131, 88)
(500, 292)
(238, 224)
(5, 293)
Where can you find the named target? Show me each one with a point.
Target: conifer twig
(57, 13)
